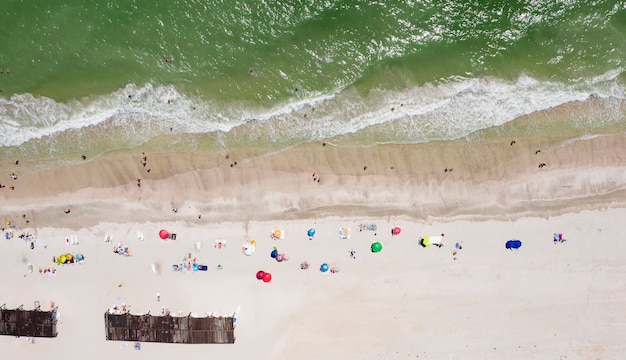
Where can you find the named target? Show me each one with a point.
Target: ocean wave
(447, 110)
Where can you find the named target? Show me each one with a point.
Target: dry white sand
(545, 301)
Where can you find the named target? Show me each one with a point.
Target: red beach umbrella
(267, 277)
(260, 274)
(163, 234)
(396, 230)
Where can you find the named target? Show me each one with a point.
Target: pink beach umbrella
(163, 234)
(279, 257)
(285, 256)
(396, 230)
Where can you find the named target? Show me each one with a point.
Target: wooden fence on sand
(35, 323)
(170, 329)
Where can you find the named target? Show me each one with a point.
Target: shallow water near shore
(273, 76)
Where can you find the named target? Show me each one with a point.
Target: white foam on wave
(449, 110)
(460, 106)
(446, 111)
(157, 109)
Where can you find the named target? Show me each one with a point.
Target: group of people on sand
(48, 271)
(144, 162)
(120, 249)
(188, 263)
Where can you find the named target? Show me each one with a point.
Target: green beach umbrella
(377, 246)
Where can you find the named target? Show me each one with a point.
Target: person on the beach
(67, 210)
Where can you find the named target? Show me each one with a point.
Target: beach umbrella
(80, 257)
(311, 232)
(324, 267)
(279, 257)
(277, 233)
(513, 244)
(274, 254)
(377, 246)
(285, 256)
(61, 259)
(163, 234)
(396, 230)
(260, 274)
(253, 242)
(267, 277)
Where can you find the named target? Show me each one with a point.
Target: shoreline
(380, 302)
(488, 179)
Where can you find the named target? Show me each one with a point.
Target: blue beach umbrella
(274, 254)
(513, 244)
(324, 267)
(311, 232)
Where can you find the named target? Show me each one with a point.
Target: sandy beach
(545, 301)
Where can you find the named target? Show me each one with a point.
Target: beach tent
(377, 246)
(324, 268)
(163, 234)
(396, 230)
(311, 232)
(513, 244)
(431, 240)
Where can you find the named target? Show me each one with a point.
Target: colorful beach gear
(377, 246)
(513, 244)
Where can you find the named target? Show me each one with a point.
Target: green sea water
(282, 73)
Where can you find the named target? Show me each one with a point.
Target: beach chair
(558, 237)
(344, 233)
